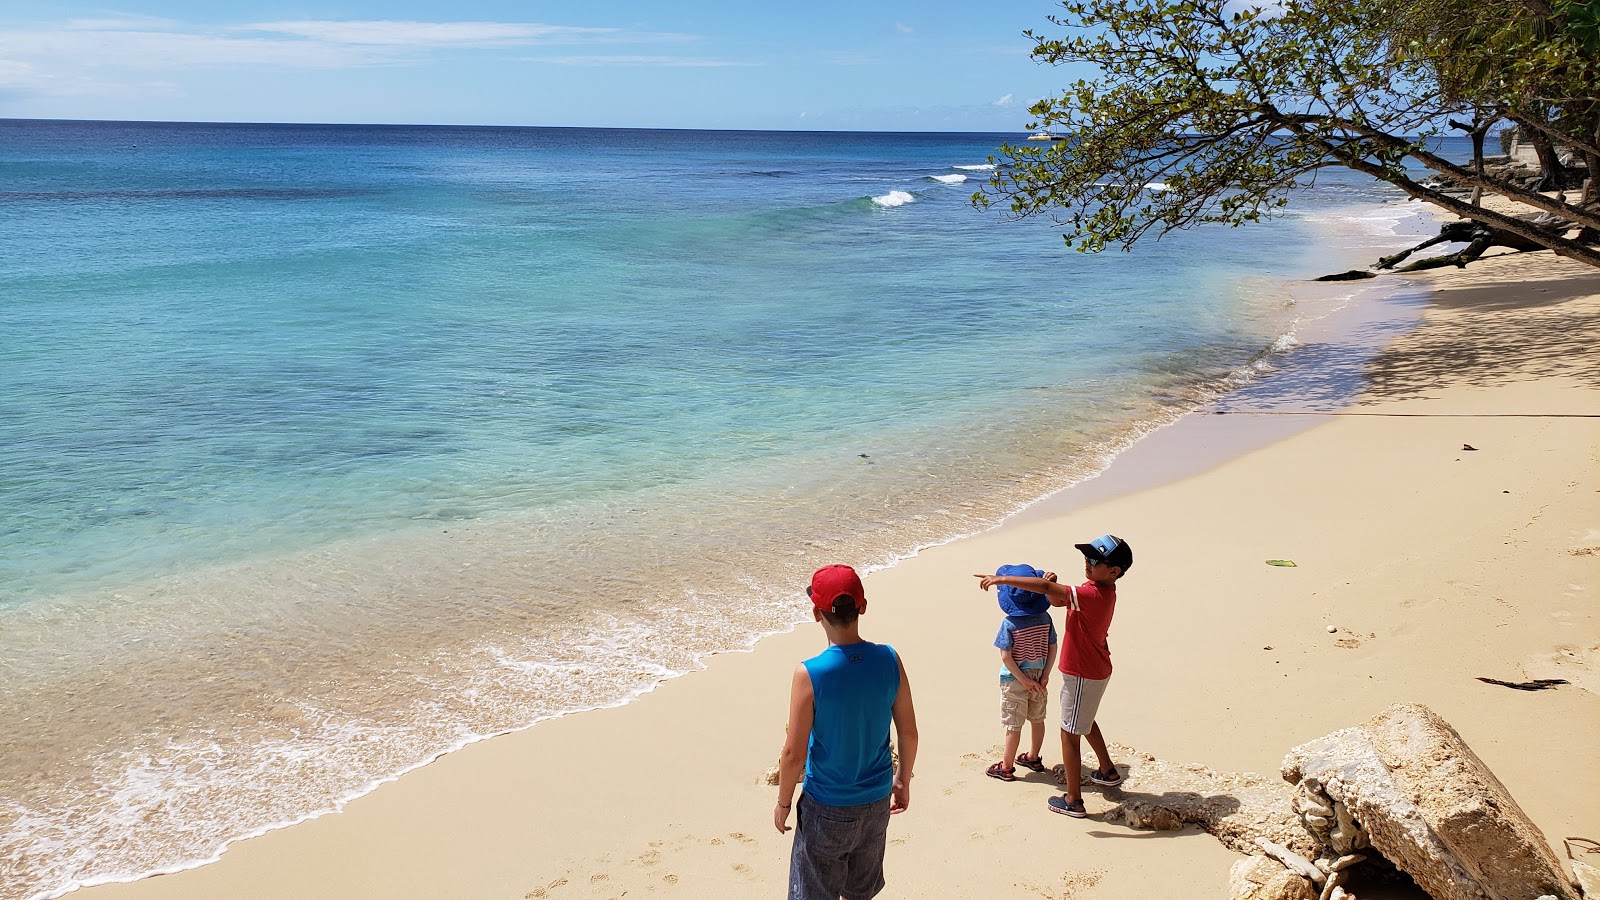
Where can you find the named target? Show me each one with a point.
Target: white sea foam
(982, 167)
(948, 179)
(894, 198)
(1157, 186)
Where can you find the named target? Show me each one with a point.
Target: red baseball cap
(829, 583)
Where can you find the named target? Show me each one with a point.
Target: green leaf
(1287, 563)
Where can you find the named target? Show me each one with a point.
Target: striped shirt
(1029, 639)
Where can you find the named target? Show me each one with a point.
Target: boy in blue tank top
(841, 703)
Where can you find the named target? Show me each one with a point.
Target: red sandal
(1030, 762)
(1001, 772)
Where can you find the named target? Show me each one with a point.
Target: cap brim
(1089, 550)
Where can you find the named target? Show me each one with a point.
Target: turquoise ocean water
(328, 449)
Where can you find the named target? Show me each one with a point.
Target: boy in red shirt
(1085, 657)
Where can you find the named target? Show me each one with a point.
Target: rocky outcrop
(1236, 807)
(1588, 879)
(1405, 783)
(1262, 878)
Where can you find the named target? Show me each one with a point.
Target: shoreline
(484, 768)
(1145, 462)
(1149, 450)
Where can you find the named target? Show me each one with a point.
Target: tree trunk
(1550, 168)
(1571, 249)
(1591, 187)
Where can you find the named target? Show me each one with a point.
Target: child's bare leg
(1038, 737)
(1072, 764)
(1013, 738)
(1097, 742)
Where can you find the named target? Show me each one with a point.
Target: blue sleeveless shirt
(854, 686)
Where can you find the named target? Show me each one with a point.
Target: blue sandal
(1109, 779)
(1074, 809)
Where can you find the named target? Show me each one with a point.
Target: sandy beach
(1434, 565)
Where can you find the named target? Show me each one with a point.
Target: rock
(1260, 878)
(1234, 807)
(1588, 879)
(1430, 806)
(1352, 275)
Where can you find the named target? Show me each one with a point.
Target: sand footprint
(738, 836)
(670, 878)
(544, 891)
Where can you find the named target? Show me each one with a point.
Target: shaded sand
(1435, 564)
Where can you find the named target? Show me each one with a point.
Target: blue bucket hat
(1015, 601)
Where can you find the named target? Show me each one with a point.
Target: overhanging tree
(1535, 63)
(1200, 112)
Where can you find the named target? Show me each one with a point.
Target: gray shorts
(838, 850)
(1080, 701)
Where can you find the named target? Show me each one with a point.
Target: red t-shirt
(1084, 651)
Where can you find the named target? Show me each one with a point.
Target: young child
(1027, 642)
(841, 704)
(1085, 658)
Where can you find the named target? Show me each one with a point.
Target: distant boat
(1044, 135)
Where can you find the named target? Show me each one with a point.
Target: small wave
(948, 179)
(1157, 186)
(894, 198)
(984, 167)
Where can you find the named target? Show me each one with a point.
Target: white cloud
(1007, 100)
(124, 22)
(903, 28)
(99, 55)
(63, 50)
(430, 34)
(669, 61)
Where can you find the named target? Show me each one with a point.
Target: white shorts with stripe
(1080, 700)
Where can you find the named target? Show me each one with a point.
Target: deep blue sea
(328, 449)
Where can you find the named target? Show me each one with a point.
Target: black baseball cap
(1109, 549)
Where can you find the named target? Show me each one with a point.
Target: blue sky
(929, 66)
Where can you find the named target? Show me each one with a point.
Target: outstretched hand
(986, 581)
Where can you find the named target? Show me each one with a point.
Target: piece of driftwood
(1477, 236)
(1538, 684)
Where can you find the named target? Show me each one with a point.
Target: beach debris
(1478, 237)
(1286, 563)
(1588, 878)
(1264, 878)
(1333, 629)
(1589, 845)
(1292, 860)
(1234, 807)
(1538, 684)
(1406, 786)
(1468, 447)
(1352, 275)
